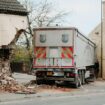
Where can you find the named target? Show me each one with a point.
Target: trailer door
(54, 56)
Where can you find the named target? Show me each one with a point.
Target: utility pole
(101, 38)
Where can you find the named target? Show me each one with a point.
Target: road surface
(91, 98)
(90, 94)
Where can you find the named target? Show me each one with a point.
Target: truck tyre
(77, 83)
(83, 77)
(80, 77)
(39, 82)
(50, 82)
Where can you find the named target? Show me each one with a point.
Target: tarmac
(95, 87)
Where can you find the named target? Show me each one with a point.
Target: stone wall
(5, 67)
(5, 61)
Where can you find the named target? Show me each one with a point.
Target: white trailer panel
(78, 51)
(84, 51)
(53, 38)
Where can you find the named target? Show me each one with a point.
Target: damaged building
(13, 21)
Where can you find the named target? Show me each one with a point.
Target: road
(23, 78)
(91, 98)
(90, 94)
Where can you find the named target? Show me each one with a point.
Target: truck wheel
(83, 77)
(39, 82)
(77, 83)
(50, 82)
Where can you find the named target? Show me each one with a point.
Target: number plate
(49, 73)
(58, 74)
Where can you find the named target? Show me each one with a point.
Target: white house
(13, 17)
(95, 36)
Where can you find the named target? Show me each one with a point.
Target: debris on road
(54, 88)
(9, 84)
(49, 88)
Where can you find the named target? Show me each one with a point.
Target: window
(65, 38)
(42, 38)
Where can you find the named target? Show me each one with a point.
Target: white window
(65, 38)
(42, 38)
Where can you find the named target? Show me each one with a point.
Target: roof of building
(12, 7)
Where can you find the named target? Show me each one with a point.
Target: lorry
(63, 54)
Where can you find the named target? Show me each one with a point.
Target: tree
(40, 14)
(43, 13)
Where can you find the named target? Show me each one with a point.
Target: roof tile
(12, 7)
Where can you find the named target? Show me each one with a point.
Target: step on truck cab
(63, 54)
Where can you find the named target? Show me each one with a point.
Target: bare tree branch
(19, 32)
(41, 14)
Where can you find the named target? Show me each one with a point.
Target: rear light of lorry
(71, 74)
(40, 74)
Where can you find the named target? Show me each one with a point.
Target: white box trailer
(63, 54)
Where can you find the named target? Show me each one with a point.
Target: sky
(84, 14)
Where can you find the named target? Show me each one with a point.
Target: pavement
(97, 87)
(95, 99)
(91, 94)
(23, 78)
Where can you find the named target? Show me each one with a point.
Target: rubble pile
(47, 87)
(8, 83)
(5, 67)
(54, 88)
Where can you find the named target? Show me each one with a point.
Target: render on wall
(13, 19)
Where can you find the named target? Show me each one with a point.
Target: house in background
(95, 36)
(13, 19)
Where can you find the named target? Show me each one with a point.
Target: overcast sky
(84, 14)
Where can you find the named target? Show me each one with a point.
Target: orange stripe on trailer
(64, 52)
(42, 55)
(67, 52)
(63, 56)
(70, 52)
(40, 52)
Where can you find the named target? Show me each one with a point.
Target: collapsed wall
(13, 20)
(5, 61)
